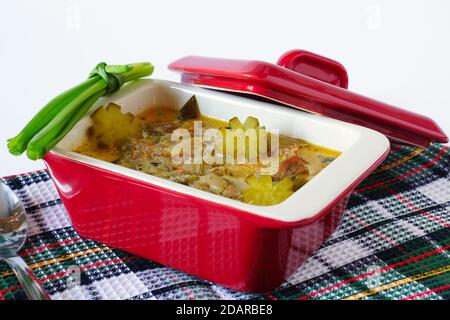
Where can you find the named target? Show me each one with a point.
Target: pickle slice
(235, 123)
(235, 134)
(263, 192)
(251, 123)
(111, 127)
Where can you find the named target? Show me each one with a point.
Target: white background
(394, 50)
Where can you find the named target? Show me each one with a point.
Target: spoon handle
(33, 289)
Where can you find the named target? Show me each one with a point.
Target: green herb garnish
(61, 114)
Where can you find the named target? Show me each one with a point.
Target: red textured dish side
(215, 242)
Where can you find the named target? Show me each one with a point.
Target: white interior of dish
(360, 147)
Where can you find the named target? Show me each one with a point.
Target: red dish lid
(312, 83)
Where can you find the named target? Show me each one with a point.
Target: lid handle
(315, 66)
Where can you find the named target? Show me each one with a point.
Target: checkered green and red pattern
(393, 243)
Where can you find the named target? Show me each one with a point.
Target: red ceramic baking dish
(237, 245)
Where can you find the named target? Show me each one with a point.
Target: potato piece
(314, 163)
(111, 127)
(263, 192)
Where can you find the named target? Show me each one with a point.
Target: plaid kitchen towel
(392, 243)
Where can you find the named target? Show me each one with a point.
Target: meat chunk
(294, 167)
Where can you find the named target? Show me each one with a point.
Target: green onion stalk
(62, 113)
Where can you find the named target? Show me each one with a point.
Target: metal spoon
(13, 233)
